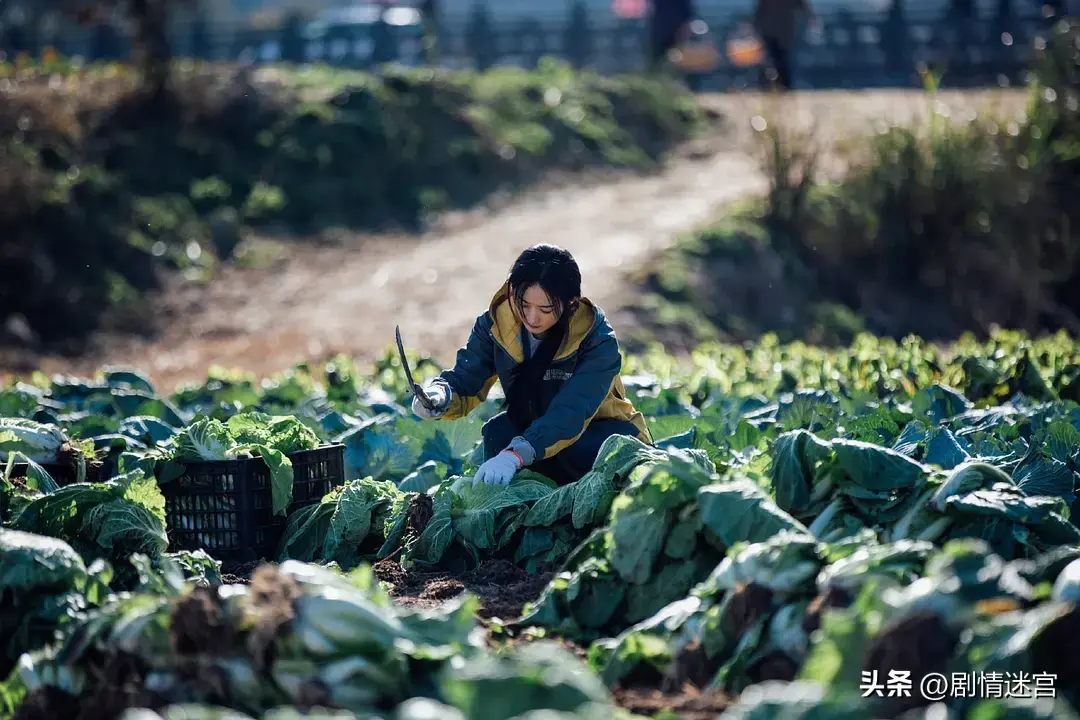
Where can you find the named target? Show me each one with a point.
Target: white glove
(436, 392)
(499, 470)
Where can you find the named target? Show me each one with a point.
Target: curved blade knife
(417, 391)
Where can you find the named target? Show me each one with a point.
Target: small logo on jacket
(557, 375)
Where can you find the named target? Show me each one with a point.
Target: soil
(419, 513)
(272, 595)
(690, 703)
(198, 624)
(502, 587)
(312, 299)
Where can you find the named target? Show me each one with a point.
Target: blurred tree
(200, 34)
(149, 36)
(896, 43)
(1005, 14)
(1003, 38)
(292, 42)
(429, 13)
(385, 42)
(531, 41)
(666, 23)
(480, 36)
(577, 39)
(106, 43)
(22, 28)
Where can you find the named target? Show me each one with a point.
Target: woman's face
(538, 311)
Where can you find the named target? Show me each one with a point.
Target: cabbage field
(815, 533)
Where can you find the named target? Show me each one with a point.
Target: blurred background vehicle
(857, 44)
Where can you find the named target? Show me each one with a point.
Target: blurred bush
(953, 226)
(100, 190)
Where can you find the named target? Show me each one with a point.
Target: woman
(558, 361)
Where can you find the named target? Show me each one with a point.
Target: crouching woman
(558, 361)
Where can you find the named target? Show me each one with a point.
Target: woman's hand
(500, 469)
(438, 395)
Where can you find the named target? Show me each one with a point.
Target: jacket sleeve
(473, 374)
(573, 407)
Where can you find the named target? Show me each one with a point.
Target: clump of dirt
(692, 667)
(68, 458)
(776, 665)
(689, 703)
(119, 682)
(390, 571)
(198, 624)
(748, 602)
(419, 513)
(831, 598)
(271, 599)
(442, 589)
(921, 643)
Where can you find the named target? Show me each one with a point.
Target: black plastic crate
(225, 507)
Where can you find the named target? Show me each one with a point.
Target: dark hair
(556, 272)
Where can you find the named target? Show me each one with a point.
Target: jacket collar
(507, 328)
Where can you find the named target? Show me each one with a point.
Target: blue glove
(499, 470)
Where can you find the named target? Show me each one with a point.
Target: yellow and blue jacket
(581, 384)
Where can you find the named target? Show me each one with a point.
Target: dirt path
(346, 296)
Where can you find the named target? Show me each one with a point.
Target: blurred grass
(956, 224)
(102, 192)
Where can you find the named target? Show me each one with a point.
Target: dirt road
(347, 296)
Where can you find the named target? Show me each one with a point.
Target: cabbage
(205, 439)
(1067, 585)
(249, 435)
(39, 442)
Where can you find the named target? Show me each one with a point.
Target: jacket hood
(506, 328)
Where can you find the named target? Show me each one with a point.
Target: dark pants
(780, 59)
(570, 463)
